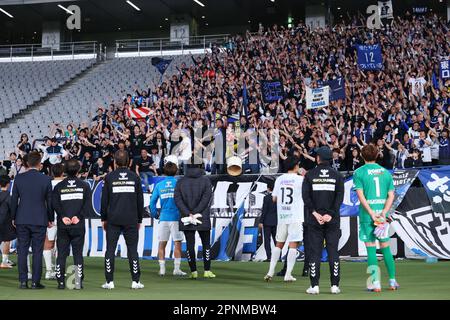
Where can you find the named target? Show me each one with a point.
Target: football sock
(291, 257)
(48, 259)
(177, 263)
(389, 261)
(28, 262)
(276, 253)
(5, 258)
(372, 263)
(162, 265)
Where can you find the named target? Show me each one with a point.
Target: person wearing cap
(168, 216)
(323, 193)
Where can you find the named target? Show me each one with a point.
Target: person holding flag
(375, 188)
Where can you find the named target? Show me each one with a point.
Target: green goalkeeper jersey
(375, 182)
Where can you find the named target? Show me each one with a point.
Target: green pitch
(239, 280)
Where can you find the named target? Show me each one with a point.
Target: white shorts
(51, 233)
(292, 232)
(167, 228)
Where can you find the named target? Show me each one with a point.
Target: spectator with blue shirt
(168, 216)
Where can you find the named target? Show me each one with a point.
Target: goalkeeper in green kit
(375, 188)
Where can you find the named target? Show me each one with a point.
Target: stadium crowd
(403, 109)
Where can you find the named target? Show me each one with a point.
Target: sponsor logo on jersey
(123, 176)
(72, 196)
(71, 183)
(373, 172)
(324, 173)
(287, 182)
(123, 189)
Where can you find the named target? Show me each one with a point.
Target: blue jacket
(164, 191)
(31, 200)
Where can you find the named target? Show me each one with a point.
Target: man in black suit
(268, 220)
(32, 213)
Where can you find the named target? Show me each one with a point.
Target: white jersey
(288, 190)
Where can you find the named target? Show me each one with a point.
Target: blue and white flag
(437, 185)
(444, 67)
(161, 64)
(369, 57)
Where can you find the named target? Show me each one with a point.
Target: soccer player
(49, 245)
(287, 193)
(70, 200)
(122, 209)
(375, 189)
(168, 216)
(323, 193)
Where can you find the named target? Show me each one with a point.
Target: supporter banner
(437, 186)
(386, 9)
(369, 57)
(337, 88)
(424, 231)
(272, 90)
(444, 68)
(317, 97)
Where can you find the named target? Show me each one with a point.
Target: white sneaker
(50, 275)
(108, 285)
(289, 278)
(137, 285)
(313, 290)
(179, 273)
(335, 290)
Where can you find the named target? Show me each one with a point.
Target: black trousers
(35, 236)
(316, 236)
(67, 238)
(269, 232)
(205, 236)
(131, 235)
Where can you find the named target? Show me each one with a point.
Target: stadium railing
(164, 46)
(40, 52)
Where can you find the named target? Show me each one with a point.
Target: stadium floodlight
(7, 13)
(65, 9)
(199, 3)
(133, 5)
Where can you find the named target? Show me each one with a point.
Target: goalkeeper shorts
(366, 233)
(168, 228)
